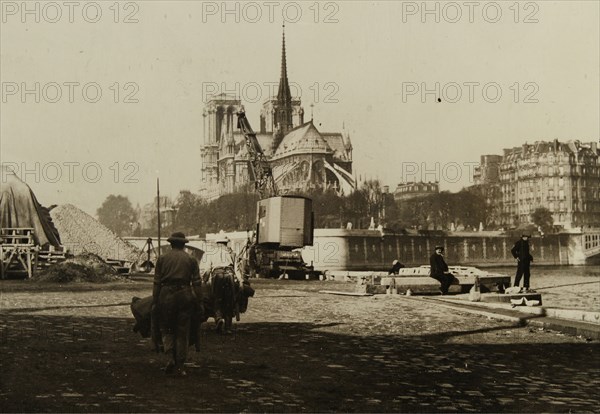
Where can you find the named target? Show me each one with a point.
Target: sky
(104, 97)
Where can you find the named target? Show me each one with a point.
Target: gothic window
(317, 173)
(304, 170)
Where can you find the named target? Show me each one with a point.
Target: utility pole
(158, 211)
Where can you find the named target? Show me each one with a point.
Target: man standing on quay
(175, 275)
(520, 251)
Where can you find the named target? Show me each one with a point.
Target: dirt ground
(71, 349)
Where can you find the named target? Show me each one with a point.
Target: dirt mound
(81, 233)
(86, 267)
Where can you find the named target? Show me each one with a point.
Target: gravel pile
(81, 233)
(86, 267)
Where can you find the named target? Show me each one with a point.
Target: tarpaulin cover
(19, 208)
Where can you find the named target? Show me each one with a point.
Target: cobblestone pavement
(295, 350)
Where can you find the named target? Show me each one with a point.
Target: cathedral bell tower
(220, 123)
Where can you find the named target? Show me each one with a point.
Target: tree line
(369, 205)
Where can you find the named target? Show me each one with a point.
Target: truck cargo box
(285, 221)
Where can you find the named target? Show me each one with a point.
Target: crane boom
(264, 181)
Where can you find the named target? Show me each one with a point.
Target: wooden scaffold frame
(17, 252)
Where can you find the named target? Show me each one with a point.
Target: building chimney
(555, 145)
(594, 147)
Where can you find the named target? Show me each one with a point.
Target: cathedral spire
(284, 95)
(283, 107)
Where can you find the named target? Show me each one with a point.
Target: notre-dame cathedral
(302, 158)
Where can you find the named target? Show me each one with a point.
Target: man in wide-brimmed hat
(177, 290)
(520, 251)
(223, 256)
(439, 269)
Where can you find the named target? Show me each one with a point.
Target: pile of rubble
(81, 233)
(86, 267)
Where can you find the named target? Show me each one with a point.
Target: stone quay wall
(340, 249)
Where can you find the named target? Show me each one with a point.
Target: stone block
(504, 298)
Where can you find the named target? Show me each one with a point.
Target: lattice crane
(275, 254)
(264, 182)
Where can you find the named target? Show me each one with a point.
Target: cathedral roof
(265, 141)
(241, 151)
(305, 138)
(335, 140)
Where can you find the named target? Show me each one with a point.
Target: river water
(569, 287)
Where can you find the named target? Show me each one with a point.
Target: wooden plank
(338, 292)
(352, 274)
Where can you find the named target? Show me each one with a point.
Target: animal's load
(81, 233)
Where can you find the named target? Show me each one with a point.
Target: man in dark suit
(439, 269)
(520, 251)
(176, 292)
